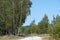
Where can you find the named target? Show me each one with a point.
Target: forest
(13, 14)
(43, 27)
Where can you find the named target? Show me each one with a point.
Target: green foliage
(13, 14)
(22, 30)
(32, 29)
(55, 27)
(43, 25)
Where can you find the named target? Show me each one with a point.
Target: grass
(48, 37)
(9, 37)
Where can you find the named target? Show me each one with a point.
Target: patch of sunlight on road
(32, 38)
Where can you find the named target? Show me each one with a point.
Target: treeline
(43, 27)
(12, 15)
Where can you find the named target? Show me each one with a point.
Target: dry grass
(48, 37)
(10, 37)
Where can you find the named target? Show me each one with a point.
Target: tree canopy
(13, 14)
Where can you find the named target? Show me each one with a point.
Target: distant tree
(55, 27)
(22, 30)
(33, 27)
(54, 20)
(43, 25)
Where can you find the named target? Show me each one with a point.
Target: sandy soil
(32, 38)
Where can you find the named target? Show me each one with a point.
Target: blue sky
(40, 8)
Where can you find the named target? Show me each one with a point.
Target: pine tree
(43, 25)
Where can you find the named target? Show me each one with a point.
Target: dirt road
(32, 38)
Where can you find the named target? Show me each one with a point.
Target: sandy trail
(32, 38)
